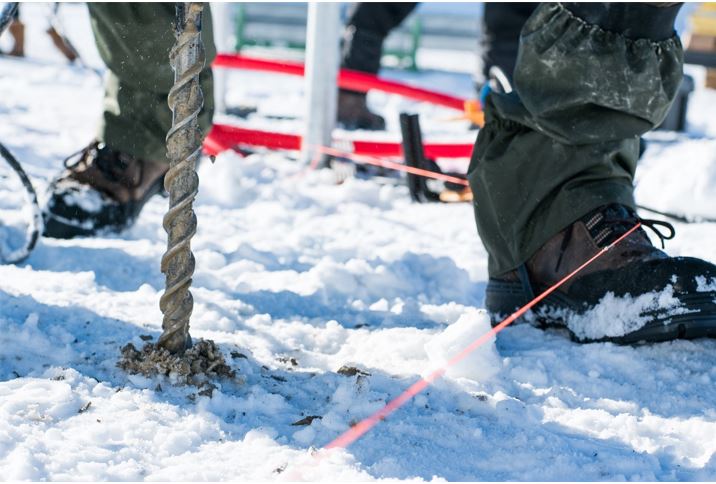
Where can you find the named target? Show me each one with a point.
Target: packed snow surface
(328, 301)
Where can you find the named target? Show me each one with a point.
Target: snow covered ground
(297, 277)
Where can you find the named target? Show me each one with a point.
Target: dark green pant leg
(566, 141)
(134, 40)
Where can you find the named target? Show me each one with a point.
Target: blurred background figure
(369, 24)
(502, 23)
(17, 31)
(54, 30)
(366, 30)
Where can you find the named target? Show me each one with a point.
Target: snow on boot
(353, 112)
(101, 191)
(633, 293)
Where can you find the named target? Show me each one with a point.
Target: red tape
(224, 137)
(355, 432)
(347, 79)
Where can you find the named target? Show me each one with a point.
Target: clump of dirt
(199, 363)
(346, 370)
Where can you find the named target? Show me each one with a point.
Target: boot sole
(699, 321)
(57, 227)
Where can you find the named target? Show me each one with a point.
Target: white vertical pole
(321, 81)
(225, 39)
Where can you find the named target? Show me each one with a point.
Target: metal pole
(321, 82)
(181, 181)
(225, 40)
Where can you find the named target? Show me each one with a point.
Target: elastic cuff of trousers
(582, 84)
(632, 20)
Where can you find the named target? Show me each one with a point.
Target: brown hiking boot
(353, 112)
(101, 190)
(632, 293)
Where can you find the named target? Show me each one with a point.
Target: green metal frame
(408, 58)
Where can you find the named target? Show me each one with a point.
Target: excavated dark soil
(196, 366)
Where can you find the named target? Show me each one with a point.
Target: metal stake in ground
(181, 181)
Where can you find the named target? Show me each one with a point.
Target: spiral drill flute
(181, 181)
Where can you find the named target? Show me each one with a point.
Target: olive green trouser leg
(134, 40)
(566, 141)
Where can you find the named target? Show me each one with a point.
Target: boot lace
(111, 164)
(608, 224)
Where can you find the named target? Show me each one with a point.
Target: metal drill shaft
(181, 181)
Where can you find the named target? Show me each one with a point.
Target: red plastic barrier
(347, 79)
(224, 137)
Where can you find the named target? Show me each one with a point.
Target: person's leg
(565, 141)
(105, 188)
(61, 42)
(502, 23)
(134, 40)
(367, 28)
(552, 170)
(17, 31)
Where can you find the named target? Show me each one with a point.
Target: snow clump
(481, 364)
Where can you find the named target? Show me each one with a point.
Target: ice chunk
(480, 365)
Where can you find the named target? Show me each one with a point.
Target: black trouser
(368, 26)
(502, 23)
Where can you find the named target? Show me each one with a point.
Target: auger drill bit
(181, 181)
